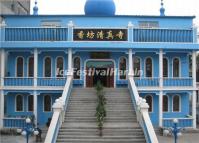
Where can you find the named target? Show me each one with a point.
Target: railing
(36, 34)
(142, 113)
(51, 81)
(59, 107)
(182, 122)
(14, 122)
(163, 35)
(178, 82)
(18, 81)
(146, 81)
(60, 81)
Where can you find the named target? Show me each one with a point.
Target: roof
(140, 16)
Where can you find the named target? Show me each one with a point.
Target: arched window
(148, 67)
(47, 103)
(19, 103)
(76, 66)
(47, 67)
(20, 66)
(137, 66)
(149, 100)
(176, 67)
(30, 103)
(165, 67)
(165, 104)
(31, 67)
(176, 103)
(122, 68)
(60, 67)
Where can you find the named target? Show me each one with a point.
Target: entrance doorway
(100, 70)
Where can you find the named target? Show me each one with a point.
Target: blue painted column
(130, 32)
(70, 30)
(195, 34)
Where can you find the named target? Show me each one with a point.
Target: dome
(99, 8)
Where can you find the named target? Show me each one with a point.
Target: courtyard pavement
(185, 138)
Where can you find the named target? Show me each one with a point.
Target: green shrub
(100, 109)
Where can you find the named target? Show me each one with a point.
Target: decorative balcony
(183, 122)
(18, 81)
(146, 81)
(163, 35)
(36, 34)
(41, 81)
(178, 81)
(60, 34)
(60, 81)
(14, 122)
(51, 81)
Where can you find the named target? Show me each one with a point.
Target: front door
(98, 70)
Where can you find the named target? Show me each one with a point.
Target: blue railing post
(70, 31)
(195, 34)
(130, 32)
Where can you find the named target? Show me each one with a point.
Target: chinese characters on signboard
(100, 35)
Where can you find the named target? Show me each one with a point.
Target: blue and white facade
(156, 49)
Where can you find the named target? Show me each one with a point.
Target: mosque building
(45, 59)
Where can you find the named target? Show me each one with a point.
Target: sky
(124, 7)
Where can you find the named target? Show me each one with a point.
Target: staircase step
(120, 124)
(76, 140)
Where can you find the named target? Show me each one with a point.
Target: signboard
(100, 35)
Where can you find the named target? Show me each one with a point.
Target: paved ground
(12, 138)
(15, 139)
(186, 138)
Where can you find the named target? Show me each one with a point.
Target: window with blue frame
(149, 100)
(47, 103)
(20, 67)
(122, 68)
(176, 67)
(148, 67)
(176, 103)
(47, 67)
(137, 66)
(19, 103)
(30, 103)
(60, 67)
(165, 67)
(31, 67)
(165, 103)
(76, 66)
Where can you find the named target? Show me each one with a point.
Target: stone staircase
(80, 122)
